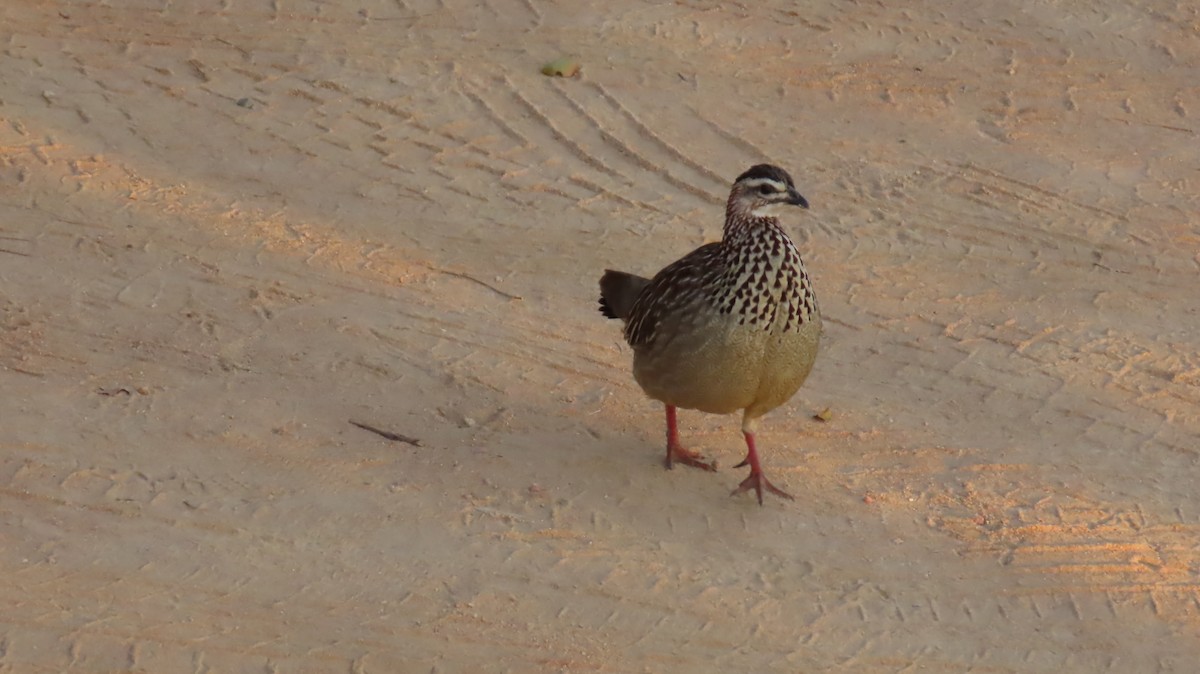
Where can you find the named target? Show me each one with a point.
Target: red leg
(757, 480)
(676, 452)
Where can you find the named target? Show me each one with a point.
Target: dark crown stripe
(766, 171)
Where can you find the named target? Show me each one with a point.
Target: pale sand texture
(1004, 239)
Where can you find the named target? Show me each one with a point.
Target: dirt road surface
(228, 229)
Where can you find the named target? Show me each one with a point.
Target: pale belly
(739, 368)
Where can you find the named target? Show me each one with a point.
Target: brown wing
(678, 287)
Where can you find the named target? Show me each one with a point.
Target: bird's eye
(765, 190)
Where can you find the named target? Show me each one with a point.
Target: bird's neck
(765, 270)
(743, 227)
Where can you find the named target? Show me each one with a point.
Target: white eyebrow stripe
(758, 182)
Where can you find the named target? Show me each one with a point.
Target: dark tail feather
(618, 291)
(606, 310)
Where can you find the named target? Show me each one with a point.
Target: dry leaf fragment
(561, 67)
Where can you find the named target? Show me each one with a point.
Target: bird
(733, 325)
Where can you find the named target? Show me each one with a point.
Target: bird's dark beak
(795, 199)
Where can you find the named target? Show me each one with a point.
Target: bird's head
(763, 191)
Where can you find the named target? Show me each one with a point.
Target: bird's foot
(677, 454)
(757, 481)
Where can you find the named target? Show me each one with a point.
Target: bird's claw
(757, 482)
(677, 454)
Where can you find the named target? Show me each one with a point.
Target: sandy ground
(229, 228)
